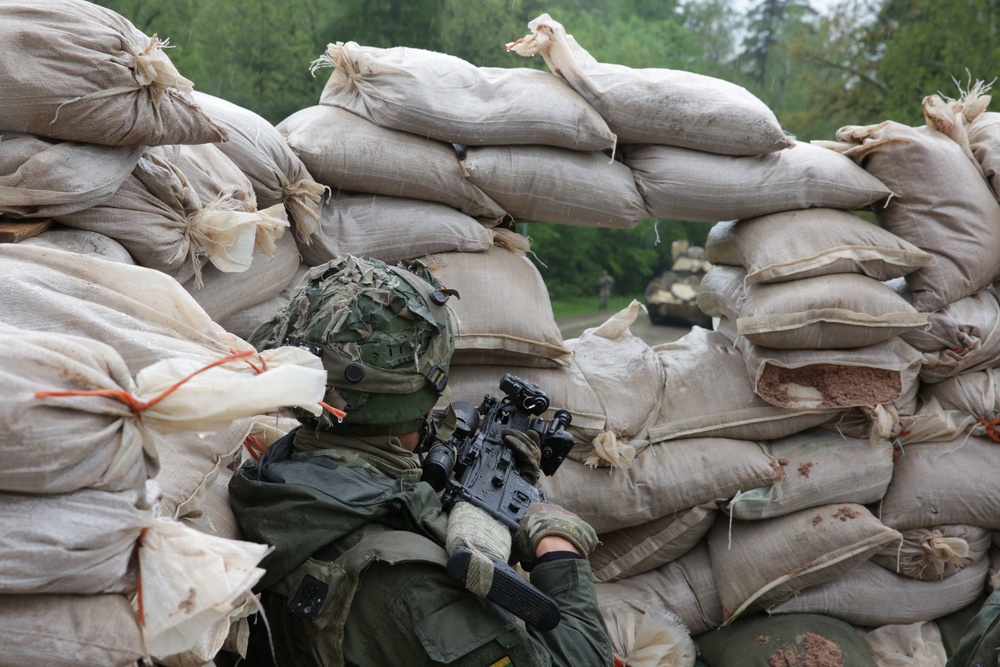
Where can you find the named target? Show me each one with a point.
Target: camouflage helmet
(384, 335)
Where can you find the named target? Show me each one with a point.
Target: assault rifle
(475, 465)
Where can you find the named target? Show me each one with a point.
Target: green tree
(928, 46)
(387, 23)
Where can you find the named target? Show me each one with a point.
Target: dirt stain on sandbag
(187, 605)
(846, 513)
(805, 468)
(809, 650)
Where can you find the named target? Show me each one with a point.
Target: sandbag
(443, 97)
(872, 596)
(683, 184)
(684, 588)
(59, 445)
(760, 563)
(950, 482)
(651, 639)
(886, 372)
(79, 542)
(817, 467)
(77, 71)
(223, 294)
(243, 321)
(260, 151)
(812, 242)
(943, 205)
(547, 184)
(504, 314)
(176, 221)
(390, 229)
(707, 393)
(658, 106)
(984, 141)
(82, 242)
(962, 337)
(41, 178)
(69, 631)
(966, 403)
(347, 152)
(907, 645)
(837, 311)
(786, 639)
(935, 553)
(663, 479)
(627, 552)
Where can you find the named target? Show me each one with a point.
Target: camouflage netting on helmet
(384, 335)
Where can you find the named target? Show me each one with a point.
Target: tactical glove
(544, 520)
(469, 527)
(527, 451)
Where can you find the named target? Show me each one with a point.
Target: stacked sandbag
(79, 72)
(713, 152)
(158, 402)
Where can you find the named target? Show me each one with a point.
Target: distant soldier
(604, 284)
(358, 573)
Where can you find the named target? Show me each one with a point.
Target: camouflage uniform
(357, 574)
(980, 645)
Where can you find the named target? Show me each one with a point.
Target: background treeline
(856, 63)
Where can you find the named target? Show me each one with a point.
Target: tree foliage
(859, 62)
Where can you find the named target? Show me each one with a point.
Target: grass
(585, 305)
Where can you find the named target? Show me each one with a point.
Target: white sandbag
(74, 70)
(58, 445)
(811, 242)
(242, 322)
(685, 588)
(627, 552)
(624, 372)
(968, 402)
(547, 184)
(224, 293)
(230, 633)
(760, 563)
(662, 479)
(391, 229)
(164, 222)
(42, 178)
(83, 242)
(886, 372)
(658, 106)
(935, 553)
(260, 151)
(504, 314)
(683, 184)
(449, 99)
(837, 311)
(707, 393)
(952, 482)
(908, 645)
(144, 314)
(69, 631)
(872, 596)
(818, 467)
(347, 152)
(79, 542)
(962, 337)
(956, 218)
(190, 581)
(208, 509)
(651, 639)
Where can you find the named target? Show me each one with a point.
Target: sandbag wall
(698, 461)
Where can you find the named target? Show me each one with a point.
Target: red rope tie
(259, 369)
(254, 447)
(991, 428)
(133, 403)
(138, 589)
(336, 412)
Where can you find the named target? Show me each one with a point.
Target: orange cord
(340, 414)
(131, 401)
(991, 428)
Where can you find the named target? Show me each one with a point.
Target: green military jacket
(980, 645)
(357, 573)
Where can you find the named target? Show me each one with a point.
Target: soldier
(604, 285)
(980, 645)
(357, 573)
